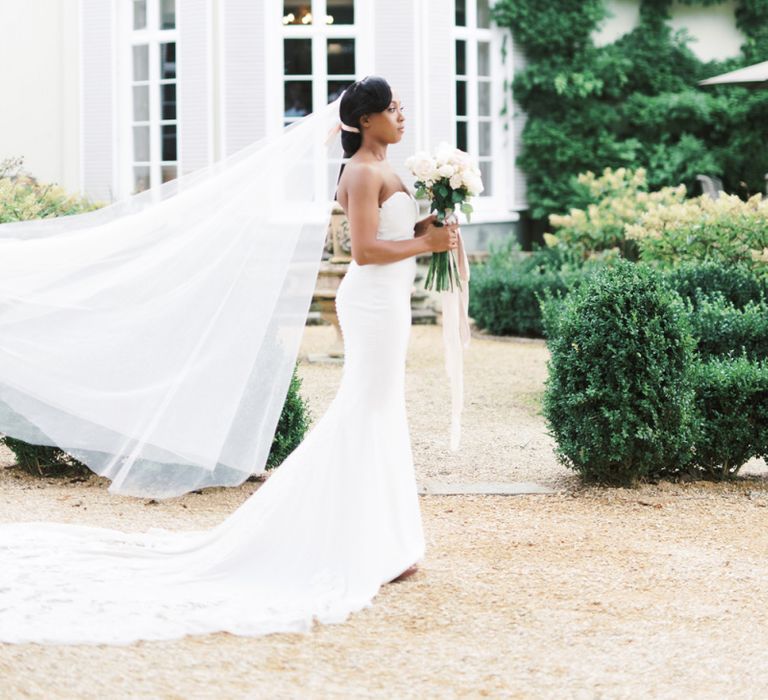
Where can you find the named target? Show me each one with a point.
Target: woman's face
(387, 126)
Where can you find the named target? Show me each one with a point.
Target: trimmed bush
(507, 290)
(732, 402)
(737, 283)
(292, 426)
(619, 397)
(722, 329)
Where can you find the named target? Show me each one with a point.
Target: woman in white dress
(339, 518)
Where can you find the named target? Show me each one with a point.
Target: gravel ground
(655, 592)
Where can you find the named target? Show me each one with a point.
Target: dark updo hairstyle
(366, 96)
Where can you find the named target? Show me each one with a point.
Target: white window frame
(361, 31)
(152, 36)
(502, 157)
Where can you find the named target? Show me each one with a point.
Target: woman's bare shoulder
(360, 178)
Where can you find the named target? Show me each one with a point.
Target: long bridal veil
(154, 339)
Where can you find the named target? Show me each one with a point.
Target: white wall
(40, 88)
(712, 28)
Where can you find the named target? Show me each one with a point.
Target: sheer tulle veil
(154, 339)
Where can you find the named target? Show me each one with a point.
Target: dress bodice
(397, 216)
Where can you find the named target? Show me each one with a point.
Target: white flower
(456, 181)
(446, 170)
(473, 182)
(420, 164)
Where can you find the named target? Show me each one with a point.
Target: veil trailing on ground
(154, 339)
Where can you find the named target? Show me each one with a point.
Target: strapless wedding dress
(335, 521)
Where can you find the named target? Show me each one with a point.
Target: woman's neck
(376, 151)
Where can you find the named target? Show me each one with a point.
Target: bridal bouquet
(448, 178)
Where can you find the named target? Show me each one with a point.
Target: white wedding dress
(335, 521)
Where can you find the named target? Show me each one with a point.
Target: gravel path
(589, 593)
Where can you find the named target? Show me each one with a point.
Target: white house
(109, 97)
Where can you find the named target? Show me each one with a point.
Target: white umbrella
(752, 76)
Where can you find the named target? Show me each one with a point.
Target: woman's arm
(363, 214)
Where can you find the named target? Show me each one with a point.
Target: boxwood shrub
(732, 406)
(619, 398)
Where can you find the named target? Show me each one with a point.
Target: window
(153, 80)
(475, 106)
(319, 53)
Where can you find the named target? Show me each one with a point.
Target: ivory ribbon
(456, 339)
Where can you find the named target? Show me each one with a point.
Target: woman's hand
(441, 238)
(421, 226)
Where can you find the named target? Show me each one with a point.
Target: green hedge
(619, 398)
(723, 329)
(737, 284)
(732, 406)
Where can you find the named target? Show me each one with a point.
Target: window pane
(485, 138)
(169, 142)
(484, 58)
(140, 178)
(461, 57)
(167, 14)
(298, 98)
(336, 87)
(483, 14)
(341, 56)
(168, 61)
(141, 103)
(297, 12)
(297, 56)
(486, 172)
(340, 12)
(168, 101)
(461, 13)
(484, 99)
(461, 98)
(139, 14)
(141, 62)
(168, 172)
(141, 143)
(461, 136)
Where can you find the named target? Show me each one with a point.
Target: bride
(339, 518)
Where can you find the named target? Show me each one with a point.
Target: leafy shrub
(22, 197)
(722, 329)
(619, 397)
(732, 403)
(292, 426)
(507, 289)
(726, 230)
(736, 283)
(612, 200)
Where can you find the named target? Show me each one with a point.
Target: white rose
(420, 164)
(446, 170)
(473, 183)
(456, 181)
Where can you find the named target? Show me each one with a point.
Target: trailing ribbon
(456, 339)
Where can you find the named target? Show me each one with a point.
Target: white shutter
(194, 84)
(243, 72)
(518, 123)
(97, 120)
